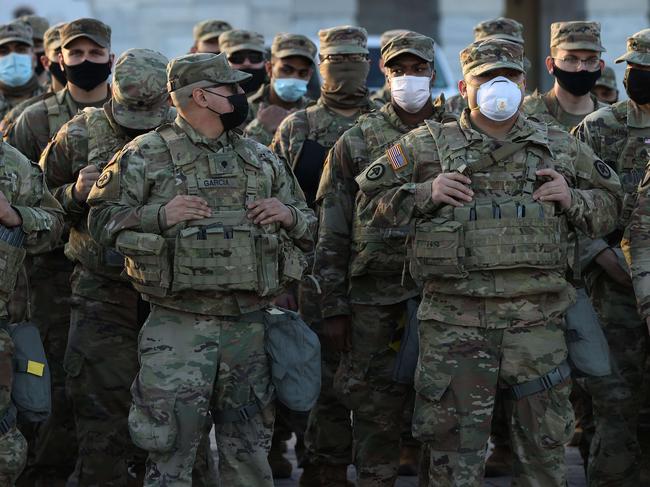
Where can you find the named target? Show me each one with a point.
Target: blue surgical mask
(16, 69)
(290, 89)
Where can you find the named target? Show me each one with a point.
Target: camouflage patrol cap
(576, 35)
(408, 42)
(345, 39)
(483, 56)
(499, 28)
(241, 40)
(140, 89)
(285, 45)
(388, 35)
(204, 69)
(52, 41)
(16, 31)
(38, 24)
(95, 30)
(209, 29)
(638, 49)
(607, 79)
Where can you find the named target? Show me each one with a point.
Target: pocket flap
(431, 386)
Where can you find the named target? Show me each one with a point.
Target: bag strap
(491, 158)
(178, 145)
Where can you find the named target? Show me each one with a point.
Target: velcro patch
(35, 368)
(215, 183)
(603, 169)
(397, 158)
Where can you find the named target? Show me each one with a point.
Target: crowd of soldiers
(457, 258)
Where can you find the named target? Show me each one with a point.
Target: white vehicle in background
(445, 82)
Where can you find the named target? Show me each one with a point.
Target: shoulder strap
(494, 157)
(56, 116)
(620, 112)
(178, 145)
(102, 141)
(251, 168)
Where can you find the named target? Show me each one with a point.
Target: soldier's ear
(269, 68)
(462, 88)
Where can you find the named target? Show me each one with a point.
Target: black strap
(9, 419)
(239, 415)
(549, 380)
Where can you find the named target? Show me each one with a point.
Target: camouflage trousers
(13, 456)
(328, 438)
(458, 373)
(49, 463)
(365, 381)
(192, 365)
(614, 455)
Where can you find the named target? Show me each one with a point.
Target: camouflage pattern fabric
(9, 120)
(576, 35)
(10, 100)
(491, 299)
(381, 96)
(546, 108)
(455, 105)
(619, 134)
(209, 29)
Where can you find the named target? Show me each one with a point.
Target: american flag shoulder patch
(397, 157)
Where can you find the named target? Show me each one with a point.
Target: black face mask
(253, 84)
(239, 113)
(58, 74)
(637, 85)
(87, 75)
(577, 83)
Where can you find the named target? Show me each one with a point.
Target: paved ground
(576, 474)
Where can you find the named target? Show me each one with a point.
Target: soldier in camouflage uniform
(246, 52)
(206, 35)
(491, 316)
(25, 202)
(303, 140)
(605, 88)
(185, 214)
(18, 81)
(576, 65)
(364, 301)
(620, 135)
(289, 70)
(499, 28)
(39, 25)
(50, 61)
(382, 95)
(105, 310)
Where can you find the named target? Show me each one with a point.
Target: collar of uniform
(388, 110)
(363, 109)
(636, 117)
(196, 137)
(261, 95)
(556, 109)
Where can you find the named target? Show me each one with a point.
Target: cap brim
(97, 40)
(486, 67)
(292, 52)
(243, 47)
(505, 37)
(606, 84)
(140, 119)
(407, 50)
(343, 50)
(580, 46)
(7, 40)
(208, 36)
(642, 58)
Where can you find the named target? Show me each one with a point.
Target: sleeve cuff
(69, 204)
(31, 223)
(299, 226)
(149, 219)
(423, 199)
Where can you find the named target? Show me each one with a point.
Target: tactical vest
(631, 161)
(225, 252)
(59, 111)
(380, 251)
(490, 233)
(103, 143)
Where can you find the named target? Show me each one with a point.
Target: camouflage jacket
(396, 194)
(91, 137)
(546, 108)
(455, 105)
(255, 130)
(637, 250)
(381, 96)
(9, 120)
(349, 269)
(8, 102)
(22, 183)
(39, 123)
(620, 135)
(142, 178)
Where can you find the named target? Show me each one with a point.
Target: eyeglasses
(343, 58)
(573, 62)
(240, 57)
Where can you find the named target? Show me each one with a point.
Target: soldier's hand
(87, 177)
(608, 260)
(8, 216)
(270, 210)
(286, 301)
(336, 333)
(451, 188)
(271, 116)
(556, 190)
(183, 208)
